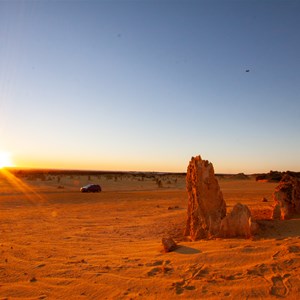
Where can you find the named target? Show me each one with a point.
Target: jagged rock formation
(238, 223)
(206, 206)
(286, 198)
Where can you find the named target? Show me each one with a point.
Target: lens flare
(32, 196)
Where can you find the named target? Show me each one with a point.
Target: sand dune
(57, 243)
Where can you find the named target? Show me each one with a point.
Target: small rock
(264, 199)
(168, 244)
(33, 279)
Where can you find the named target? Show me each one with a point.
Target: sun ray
(32, 196)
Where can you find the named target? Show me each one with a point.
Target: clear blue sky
(145, 85)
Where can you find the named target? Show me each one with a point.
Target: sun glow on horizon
(5, 160)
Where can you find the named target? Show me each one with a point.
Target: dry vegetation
(57, 243)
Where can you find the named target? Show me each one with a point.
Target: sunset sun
(5, 160)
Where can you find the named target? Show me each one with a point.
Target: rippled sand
(57, 243)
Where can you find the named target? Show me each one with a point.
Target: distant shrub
(274, 176)
(159, 183)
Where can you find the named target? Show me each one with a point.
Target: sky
(146, 85)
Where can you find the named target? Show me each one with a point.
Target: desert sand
(58, 243)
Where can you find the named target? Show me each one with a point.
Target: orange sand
(61, 244)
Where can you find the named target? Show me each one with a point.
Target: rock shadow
(186, 250)
(278, 229)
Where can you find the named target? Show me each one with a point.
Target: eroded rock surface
(206, 206)
(238, 223)
(286, 198)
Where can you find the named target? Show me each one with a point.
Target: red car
(91, 188)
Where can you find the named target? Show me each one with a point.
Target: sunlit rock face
(286, 198)
(238, 223)
(168, 244)
(206, 206)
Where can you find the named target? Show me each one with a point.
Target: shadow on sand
(186, 250)
(278, 229)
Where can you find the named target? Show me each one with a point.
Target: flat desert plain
(58, 243)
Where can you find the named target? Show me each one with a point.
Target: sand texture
(58, 243)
